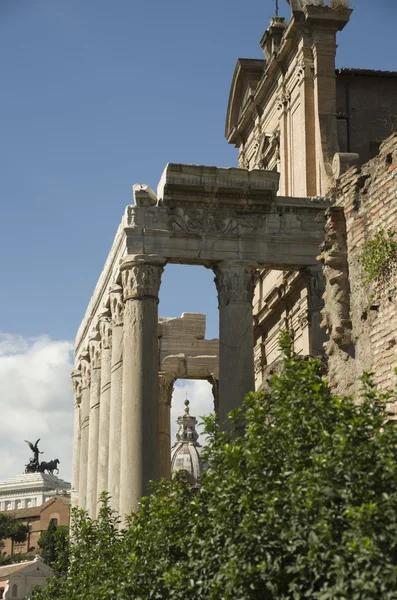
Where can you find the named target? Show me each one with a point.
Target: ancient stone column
(76, 379)
(166, 387)
(94, 347)
(85, 420)
(104, 405)
(141, 277)
(116, 382)
(235, 284)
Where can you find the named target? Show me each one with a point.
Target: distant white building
(30, 489)
(18, 580)
(185, 453)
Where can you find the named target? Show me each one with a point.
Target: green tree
(299, 501)
(11, 529)
(54, 545)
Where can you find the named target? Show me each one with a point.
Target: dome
(185, 453)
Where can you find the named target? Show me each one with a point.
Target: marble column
(104, 405)
(235, 285)
(76, 379)
(85, 420)
(166, 387)
(141, 277)
(94, 347)
(116, 382)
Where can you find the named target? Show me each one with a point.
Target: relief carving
(218, 222)
(116, 305)
(283, 99)
(204, 221)
(234, 284)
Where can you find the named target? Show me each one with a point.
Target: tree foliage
(11, 529)
(54, 545)
(299, 501)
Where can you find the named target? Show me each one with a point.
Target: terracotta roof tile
(8, 570)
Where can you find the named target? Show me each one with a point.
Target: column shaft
(116, 383)
(95, 389)
(139, 430)
(76, 378)
(166, 386)
(235, 285)
(104, 406)
(85, 419)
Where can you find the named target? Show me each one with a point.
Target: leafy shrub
(379, 257)
(299, 501)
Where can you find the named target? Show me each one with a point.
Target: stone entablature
(29, 490)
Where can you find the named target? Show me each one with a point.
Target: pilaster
(94, 346)
(105, 331)
(85, 420)
(77, 391)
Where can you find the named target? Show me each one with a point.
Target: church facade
(304, 133)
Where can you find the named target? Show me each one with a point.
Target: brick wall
(361, 320)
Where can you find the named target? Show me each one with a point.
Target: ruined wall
(361, 320)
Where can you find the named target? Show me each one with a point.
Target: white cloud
(36, 401)
(199, 393)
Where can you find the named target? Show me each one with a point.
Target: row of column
(122, 406)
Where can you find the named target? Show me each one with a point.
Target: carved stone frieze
(217, 222)
(141, 278)
(77, 385)
(235, 283)
(116, 305)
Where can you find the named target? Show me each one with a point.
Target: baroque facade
(296, 114)
(304, 131)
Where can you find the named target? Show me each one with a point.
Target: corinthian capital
(94, 347)
(141, 276)
(77, 385)
(234, 282)
(85, 370)
(105, 330)
(116, 304)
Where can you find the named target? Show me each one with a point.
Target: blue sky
(99, 95)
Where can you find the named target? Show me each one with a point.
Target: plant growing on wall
(339, 4)
(379, 258)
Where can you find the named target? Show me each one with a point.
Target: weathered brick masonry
(362, 322)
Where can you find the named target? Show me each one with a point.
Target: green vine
(379, 257)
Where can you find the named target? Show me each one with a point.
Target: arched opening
(14, 591)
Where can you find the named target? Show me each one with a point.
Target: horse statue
(50, 466)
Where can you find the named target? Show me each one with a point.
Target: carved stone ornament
(141, 279)
(77, 385)
(218, 222)
(214, 381)
(283, 99)
(234, 283)
(105, 330)
(85, 370)
(116, 305)
(243, 161)
(95, 353)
